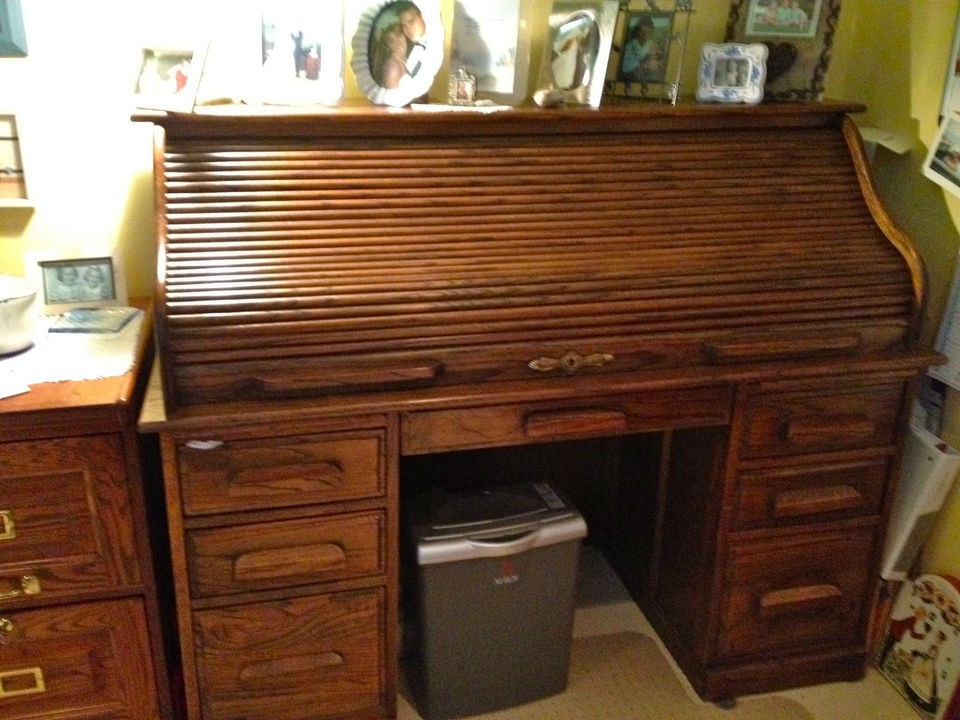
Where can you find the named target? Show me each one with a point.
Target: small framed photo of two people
(798, 35)
(398, 49)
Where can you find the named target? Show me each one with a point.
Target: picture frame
(951, 86)
(942, 164)
(13, 187)
(731, 73)
(301, 54)
(385, 74)
(577, 49)
(168, 78)
(798, 44)
(68, 282)
(647, 56)
(13, 37)
(490, 39)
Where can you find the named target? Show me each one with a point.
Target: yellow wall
(89, 168)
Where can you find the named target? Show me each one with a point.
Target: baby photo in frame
(731, 73)
(798, 35)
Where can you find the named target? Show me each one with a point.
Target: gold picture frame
(798, 35)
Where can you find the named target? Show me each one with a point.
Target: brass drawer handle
(8, 529)
(29, 585)
(570, 362)
(23, 681)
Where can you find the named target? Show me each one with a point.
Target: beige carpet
(624, 676)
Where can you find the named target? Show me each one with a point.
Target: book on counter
(93, 320)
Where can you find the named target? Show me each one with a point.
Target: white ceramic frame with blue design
(732, 73)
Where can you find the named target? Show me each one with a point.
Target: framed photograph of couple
(301, 53)
(398, 50)
(798, 35)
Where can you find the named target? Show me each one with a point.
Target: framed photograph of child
(798, 35)
(646, 47)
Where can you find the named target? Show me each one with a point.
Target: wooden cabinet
(285, 567)
(349, 297)
(80, 619)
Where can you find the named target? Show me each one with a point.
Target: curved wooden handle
(780, 348)
(573, 422)
(851, 427)
(287, 671)
(275, 563)
(799, 599)
(810, 501)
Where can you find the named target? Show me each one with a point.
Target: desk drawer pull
(29, 585)
(281, 562)
(798, 598)
(24, 681)
(8, 529)
(567, 422)
(830, 428)
(809, 501)
(570, 362)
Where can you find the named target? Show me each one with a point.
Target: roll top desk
(698, 320)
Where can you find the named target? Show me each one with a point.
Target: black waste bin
(492, 597)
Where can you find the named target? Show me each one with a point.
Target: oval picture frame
(423, 59)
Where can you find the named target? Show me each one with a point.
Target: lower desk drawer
(304, 658)
(792, 593)
(263, 555)
(88, 661)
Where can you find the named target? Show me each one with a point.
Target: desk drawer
(821, 419)
(464, 428)
(87, 661)
(284, 553)
(798, 494)
(64, 518)
(269, 472)
(792, 593)
(312, 657)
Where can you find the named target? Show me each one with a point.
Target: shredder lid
(492, 522)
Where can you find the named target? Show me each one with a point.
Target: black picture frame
(13, 38)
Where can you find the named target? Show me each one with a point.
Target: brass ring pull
(29, 585)
(25, 681)
(8, 530)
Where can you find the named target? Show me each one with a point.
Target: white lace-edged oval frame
(371, 22)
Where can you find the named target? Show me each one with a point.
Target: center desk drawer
(258, 473)
(499, 425)
(821, 419)
(258, 556)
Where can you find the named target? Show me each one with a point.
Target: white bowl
(18, 319)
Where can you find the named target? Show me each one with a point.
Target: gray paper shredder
(492, 598)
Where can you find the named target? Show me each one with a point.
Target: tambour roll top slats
(312, 259)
